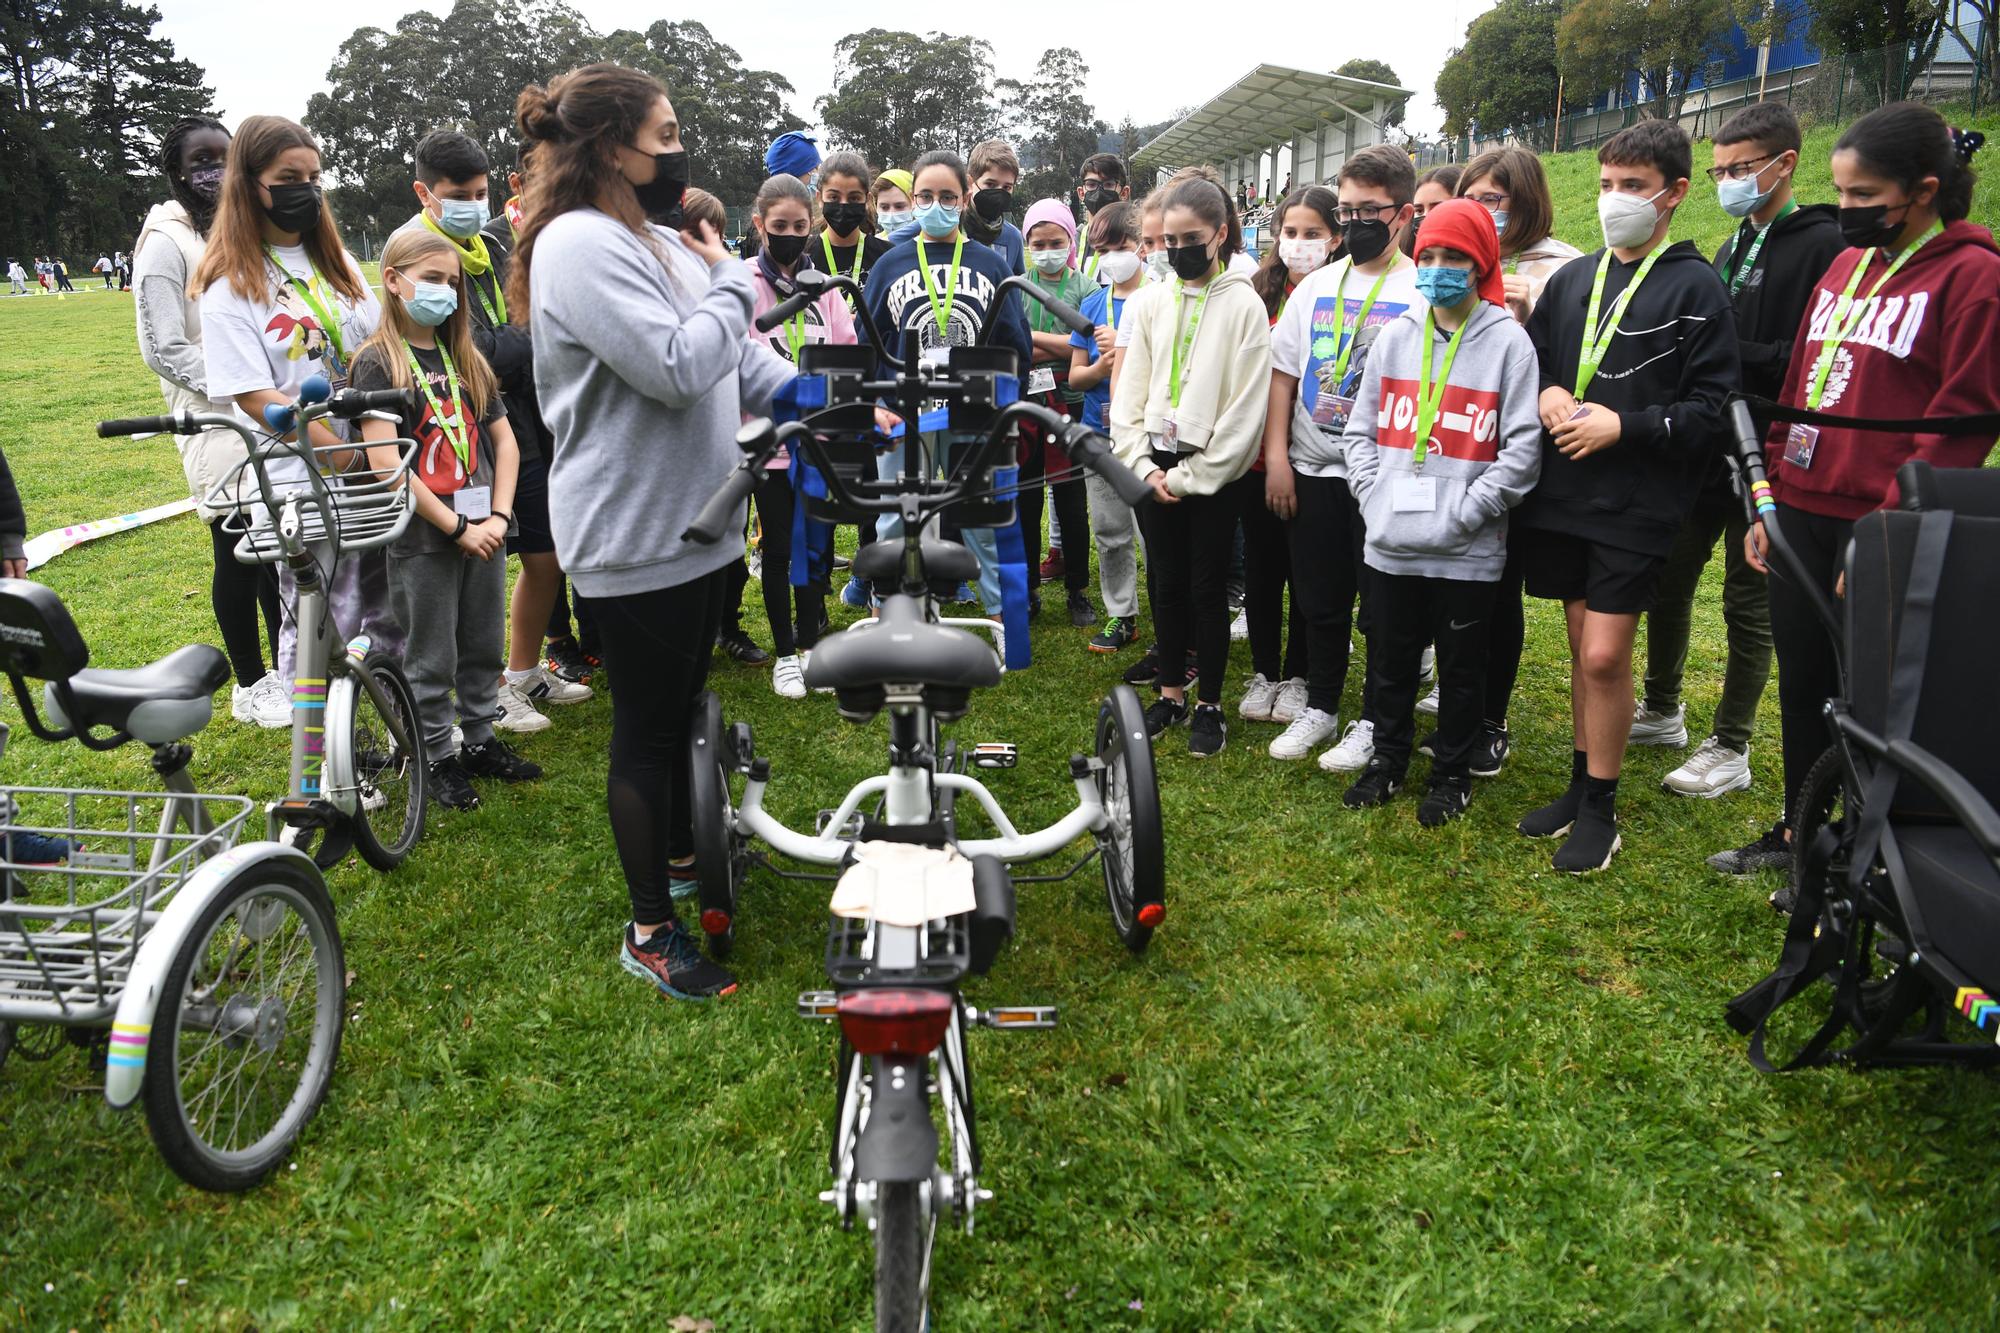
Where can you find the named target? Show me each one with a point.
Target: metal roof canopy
(1266, 107)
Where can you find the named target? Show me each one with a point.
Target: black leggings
(1808, 670)
(775, 503)
(1072, 509)
(658, 645)
(239, 591)
(1187, 575)
(1267, 569)
(1326, 538)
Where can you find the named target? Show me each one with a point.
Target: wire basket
(71, 928)
(353, 511)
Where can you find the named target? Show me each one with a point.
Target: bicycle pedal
(850, 830)
(995, 754)
(1018, 1017)
(821, 1004)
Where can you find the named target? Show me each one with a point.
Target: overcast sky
(261, 60)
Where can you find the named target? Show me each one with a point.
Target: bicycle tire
(720, 853)
(900, 1258)
(385, 836)
(288, 889)
(1819, 801)
(1132, 847)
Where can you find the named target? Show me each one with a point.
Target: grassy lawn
(1368, 1076)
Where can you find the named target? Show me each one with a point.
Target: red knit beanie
(1464, 226)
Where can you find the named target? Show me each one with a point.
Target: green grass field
(1368, 1076)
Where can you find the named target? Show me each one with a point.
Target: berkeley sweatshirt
(1484, 453)
(644, 369)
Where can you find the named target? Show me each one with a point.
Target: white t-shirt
(275, 341)
(1306, 342)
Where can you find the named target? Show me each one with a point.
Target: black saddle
(944, 562)
(901, 648)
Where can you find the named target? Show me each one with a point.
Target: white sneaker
(1239, 628)
(516, 713)
(1291, 700)
(788, 678)
(1356, 748)
(457, 738)
(268, 703)
(1308, 729)
(546, 687)
(1259, 694)
(1712, 770)
(1429, 703)
(1427, 665)
(1650, 728)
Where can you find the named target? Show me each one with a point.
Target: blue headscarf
(792, 154)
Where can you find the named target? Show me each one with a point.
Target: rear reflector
(715, 921)
(895, 1022)
(1152, 914)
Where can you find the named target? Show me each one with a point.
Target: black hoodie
(1773, 296)
(1668, 370)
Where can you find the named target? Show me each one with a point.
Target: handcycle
(1894, 899)
(206, 970)
(358, 768)
(917, 907)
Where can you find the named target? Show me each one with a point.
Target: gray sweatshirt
(1483, 457)
(644, 370)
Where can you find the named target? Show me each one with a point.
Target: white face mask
(1050, 262)
(1158, 265)
(1627, 219)
(1302, 254)
(1118, 266)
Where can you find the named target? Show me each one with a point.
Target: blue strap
(1013, 576)
(812, 540)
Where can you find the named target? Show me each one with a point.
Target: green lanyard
(1847, 311)
(1086, 262)
(1740, 265)
(941, 310)
(494, 316)
(1184, 336)
(1597, 337)
(455, 429)
(1348, 333)
(795, 334)
(860, 244)
(317, 300)
(1040, 318)
(1428, 403)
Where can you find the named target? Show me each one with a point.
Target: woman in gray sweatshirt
(644, 370)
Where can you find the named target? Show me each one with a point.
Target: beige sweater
(1225, 385)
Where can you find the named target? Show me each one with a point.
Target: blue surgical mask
(895, 226)
(1444, 286)
(937, 220)
(432, 304)
(461, 217)
(1499, 220)
(1741, 198)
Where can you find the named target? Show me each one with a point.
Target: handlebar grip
(1750, 452)
(783, 311)
(139, 426)
(724, 509)
(351, 403)
(1089, 448)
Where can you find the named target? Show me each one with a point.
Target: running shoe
(495, 760)
(674, 963)
(1116, 634)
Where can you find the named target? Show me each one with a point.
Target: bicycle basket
(355, 511)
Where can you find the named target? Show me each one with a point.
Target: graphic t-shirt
(1318, 321)
(437, 463)
(1097, 401)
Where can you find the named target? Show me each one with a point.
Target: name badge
(1413, 495)
(1800, 441)
(1042, 379)
(474, 502)
(934, 359)
(1170, 432)
(1331, 411)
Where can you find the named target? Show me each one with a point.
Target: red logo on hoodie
(1467, 426)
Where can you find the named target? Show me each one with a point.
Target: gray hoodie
(644, 372)
(1484, 455)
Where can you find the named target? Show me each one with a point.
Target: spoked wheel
(1135, 879)
(248, 1028)
(721, 854)
(903, 1233)
(389, 778)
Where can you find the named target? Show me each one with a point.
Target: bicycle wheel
(390, 778)
(1130, 846)
(327, 847)
(248, 1028)
(902, 1257)
(721, 854)
(1820, 802)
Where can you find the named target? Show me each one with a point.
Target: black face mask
(662, 194)
(1870, 226)
(1365, 238)
(1096, 197)
(1190, 261)
(842, 219)
(992, 204)
(785, 249)
(978, 227)
(294, 207)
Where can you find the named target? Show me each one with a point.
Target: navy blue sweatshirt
(895, 299)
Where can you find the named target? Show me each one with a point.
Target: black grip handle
(783, 311)
(138, 426)
(351, 403)
(724, 509)
(1087, 447)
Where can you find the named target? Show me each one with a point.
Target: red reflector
(895, 1022)
(1152, 914)
(714, 921)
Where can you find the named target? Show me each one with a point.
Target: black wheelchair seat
(163, 701)
(1954, 886)
(944, 562)
(900, 648)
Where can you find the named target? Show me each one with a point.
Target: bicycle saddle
(163, 701)
(900, 647)
(943, 562)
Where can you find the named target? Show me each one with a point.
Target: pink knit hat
(1056, 211)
